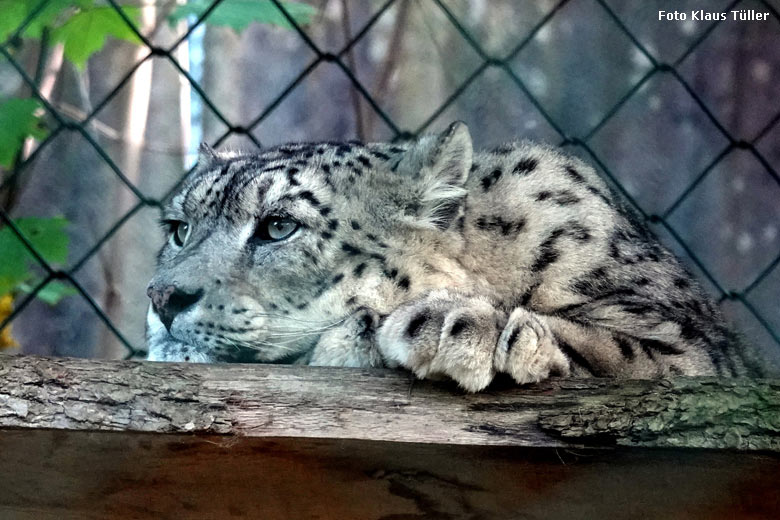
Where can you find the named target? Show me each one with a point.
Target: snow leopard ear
(440, 164)
(206, 155)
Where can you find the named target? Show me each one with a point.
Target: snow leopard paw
(444, 332)
(527, 349)
(349, 344)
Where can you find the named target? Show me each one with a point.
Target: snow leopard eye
(275, 228)
(180, 232)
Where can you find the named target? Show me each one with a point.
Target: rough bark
(376, 405)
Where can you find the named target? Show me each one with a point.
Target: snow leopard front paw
(349, 344)
(527, 349)
(444, 332)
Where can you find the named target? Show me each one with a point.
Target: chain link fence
(502, 63)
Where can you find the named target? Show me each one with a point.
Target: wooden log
(105, 439)
(382, 405)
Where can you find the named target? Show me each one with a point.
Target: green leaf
(15, 12)
(47, 236)
(7, 284)
(238, 14)
(85, 33)
(51, 293)
(17, 122)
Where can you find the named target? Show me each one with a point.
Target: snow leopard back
(546, 229)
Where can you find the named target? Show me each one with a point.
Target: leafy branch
(239, 14)
(17, 264)
(82, 26)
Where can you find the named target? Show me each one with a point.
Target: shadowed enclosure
(682, 118)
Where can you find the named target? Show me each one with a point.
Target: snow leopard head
(266, 251)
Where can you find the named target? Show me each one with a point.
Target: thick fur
(518, 260)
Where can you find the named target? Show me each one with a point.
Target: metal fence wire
(68, 124)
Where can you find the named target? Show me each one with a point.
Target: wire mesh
(64, 123)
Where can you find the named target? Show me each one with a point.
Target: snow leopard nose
(169, 301)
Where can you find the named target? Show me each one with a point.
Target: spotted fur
(429, 256)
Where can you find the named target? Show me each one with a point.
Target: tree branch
(311, 402)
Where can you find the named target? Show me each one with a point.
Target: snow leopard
(429, 256)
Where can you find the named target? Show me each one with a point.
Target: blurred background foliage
(99, 121)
